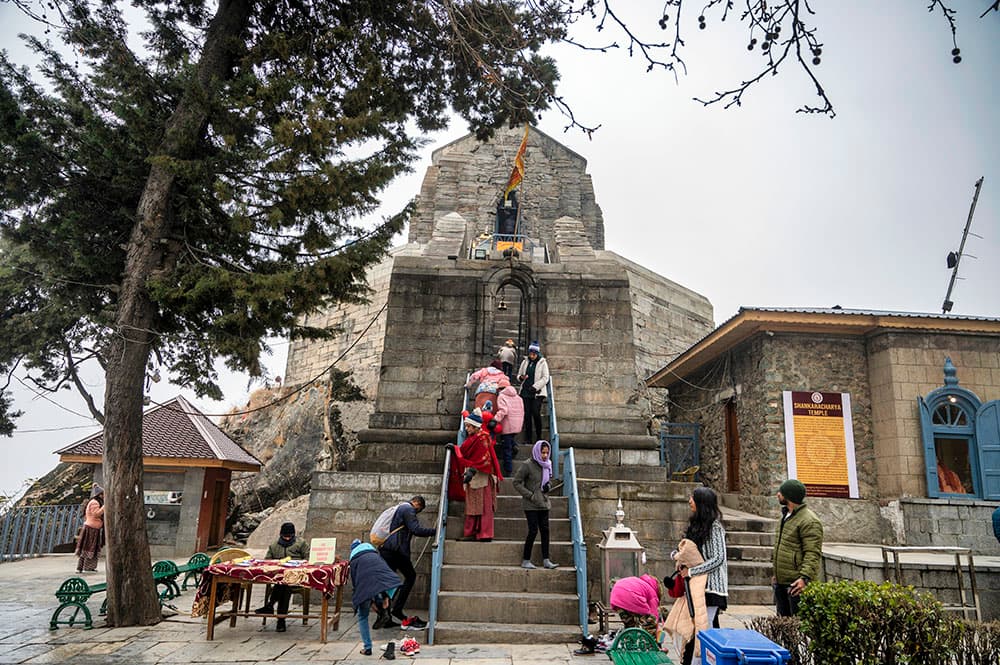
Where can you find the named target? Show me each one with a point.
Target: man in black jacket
(396, 552)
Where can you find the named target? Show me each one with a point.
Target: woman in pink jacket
(637, 600)
(92, 534)
(510, 416)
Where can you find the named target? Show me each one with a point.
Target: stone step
(759, 525)
(750, 595)
(633, 472)
(399, 466)
(461, 632)
(510, 506)
(765, 538)
(508, 578)
(503, 553)
(749, 573)
(748, 552)
(513, 528)
(499, 606)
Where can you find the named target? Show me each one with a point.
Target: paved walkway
(28, 602)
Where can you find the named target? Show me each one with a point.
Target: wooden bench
(634, 646)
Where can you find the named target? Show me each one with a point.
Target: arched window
(961, 439)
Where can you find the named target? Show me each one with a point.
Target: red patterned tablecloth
(325, 577)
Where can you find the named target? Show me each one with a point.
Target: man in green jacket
(798, 548)
(287, 545)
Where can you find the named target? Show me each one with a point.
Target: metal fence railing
(36, 530)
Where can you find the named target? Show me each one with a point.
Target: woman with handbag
(91, 540)
(701, 558)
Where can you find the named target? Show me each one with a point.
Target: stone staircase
(486, 597)
(749, 543)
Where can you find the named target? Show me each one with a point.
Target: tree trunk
(132, 598)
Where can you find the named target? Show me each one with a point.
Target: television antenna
(954, 258)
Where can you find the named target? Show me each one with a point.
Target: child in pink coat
(510, 416)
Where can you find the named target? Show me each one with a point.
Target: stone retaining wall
(950, 522)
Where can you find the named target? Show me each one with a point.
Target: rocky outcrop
(66, 484)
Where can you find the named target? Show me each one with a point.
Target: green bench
(75, 592)
(634, 646)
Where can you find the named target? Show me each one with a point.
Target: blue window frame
(961, 440)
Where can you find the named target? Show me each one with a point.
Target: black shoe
(389, 623)
(280, 628)
(390, 651)
(380, 619)
(266, 609)
(366, 652)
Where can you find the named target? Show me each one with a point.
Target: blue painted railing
(553, 432)
(437, 553)
(576, 529)
(36, 530)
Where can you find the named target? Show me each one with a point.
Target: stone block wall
(950, 523)
(905, 366)
(468, 176)
(309, 358)
(344, 505)
(941, 581)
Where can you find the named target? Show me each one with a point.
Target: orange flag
(517, 175)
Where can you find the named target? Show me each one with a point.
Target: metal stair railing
(553, 432)
(576, 529)
(437, 551)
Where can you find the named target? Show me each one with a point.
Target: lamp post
(621, 556)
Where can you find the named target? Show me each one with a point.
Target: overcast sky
(752, 206)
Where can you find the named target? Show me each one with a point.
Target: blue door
(988, 440)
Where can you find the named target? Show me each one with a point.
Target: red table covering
(325, 577)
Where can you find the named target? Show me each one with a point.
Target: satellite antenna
(954, 258)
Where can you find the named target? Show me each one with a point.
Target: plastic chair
(228, 554)
(687, 475)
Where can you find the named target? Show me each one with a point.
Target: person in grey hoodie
(532, 482)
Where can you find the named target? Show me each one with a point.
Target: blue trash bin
(729, 646)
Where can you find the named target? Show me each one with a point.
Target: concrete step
(503, 553)
(510, 506)
(622, 472)
(405, 467)
(750, 595)
(748, 552)
(508, 578)
(513, 528)
(749, 573)
(765, 538)
(499, 606)
(461, 632)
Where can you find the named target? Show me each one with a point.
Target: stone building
(919, 394)
(187, 463)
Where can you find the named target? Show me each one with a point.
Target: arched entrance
(507, 298)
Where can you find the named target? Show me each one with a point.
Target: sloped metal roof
(178, 430)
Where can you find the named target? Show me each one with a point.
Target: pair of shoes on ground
(547, 564)
(409, 647)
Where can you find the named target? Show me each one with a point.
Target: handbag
(675, 585)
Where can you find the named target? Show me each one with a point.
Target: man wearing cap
(534, 377)
(798, 548)
(289, 546)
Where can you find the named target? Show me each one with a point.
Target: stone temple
(451, 299)
(441, 305)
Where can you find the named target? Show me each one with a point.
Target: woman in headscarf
(477, 454)
(532, 483)
(88, 547)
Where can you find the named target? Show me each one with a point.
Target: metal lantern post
(621, 556)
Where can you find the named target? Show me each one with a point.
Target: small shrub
(863, 623)
(979, 644)
(786, 632)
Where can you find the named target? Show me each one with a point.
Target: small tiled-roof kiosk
(187, 466)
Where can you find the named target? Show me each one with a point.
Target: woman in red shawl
(477, 453)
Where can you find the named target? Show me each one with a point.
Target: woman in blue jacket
(373, 581)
